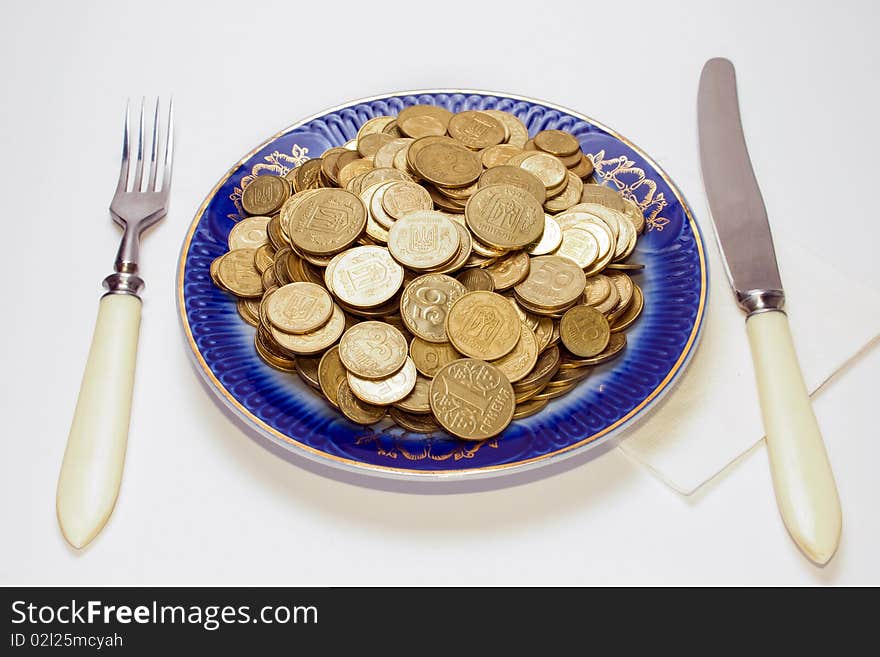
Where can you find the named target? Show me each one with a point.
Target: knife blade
(804, 484)
(735, 200)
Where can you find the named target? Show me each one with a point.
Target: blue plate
(281, 408)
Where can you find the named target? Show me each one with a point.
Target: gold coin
(249, 233)
(307, 368)
(376, 210)
(476, 129)
(307, 344)
(326, 222)
(329, 161)
(516, 133)
(510, 175)
(585, 331)
(544, 332)
(373, 126)
(552, 282)
(546, 168)
(625, 266)
(212, 270)
(384, 157)
(571, 161)
(584, 168)
(331, 373)
(476, 279)
(392, 129)
(290, 177)
(624, 285)
(401, 198)
(423, 240)
(487, 251)
(422, 126)
(611, 302)
(616, 345)
(373, 350)
(369, 145)
(509, 270)
(632, 312)
(549, 394)
(347, 157)
(308, 175)
(238, 274)
(504, 216)
(417, 401)
(579, 246)
(549, 241)
(385, 391)
(529, 407)
(603, 196)
(472, 399)
(464, 250)
(273, 230)
(425, 303)
(271, 355)
(264, 257)
(459, 194)
(413, 422)
(566, 377)
(557, 142)
(576, 217)
(353, 169)
(451, 206)
(247, 312)
(441, 114)
(633, 212)
(355, 409)
(445, 163)
(525, 317)
(570, 196)
(265, 195)
(597, 290)
(299, 307)
(497, 155)
(382, 175)
(413, 149)
(429, 357)
(519, 362)
(483, 325)
(366, 276)
(545, 368)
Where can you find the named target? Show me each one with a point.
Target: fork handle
(92, 468)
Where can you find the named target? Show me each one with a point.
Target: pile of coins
(442, 270)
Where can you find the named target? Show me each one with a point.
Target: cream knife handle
(802, 477)
(92, 468)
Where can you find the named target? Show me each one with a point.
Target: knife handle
(802, 477)
(92, 468)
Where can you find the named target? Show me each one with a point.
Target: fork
(91, 471)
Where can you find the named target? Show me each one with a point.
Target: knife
(802, 477)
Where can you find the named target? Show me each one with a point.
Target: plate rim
(602, 437)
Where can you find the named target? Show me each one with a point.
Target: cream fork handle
(92, 468)
(802, 477)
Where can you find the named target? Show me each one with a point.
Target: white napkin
(713, 417)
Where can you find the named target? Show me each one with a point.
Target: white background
(201, 503)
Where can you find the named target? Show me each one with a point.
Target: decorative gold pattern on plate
(617, 171)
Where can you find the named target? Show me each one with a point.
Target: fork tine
(124, 167)
(151, 184)
(169, 148)
(139, 168)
